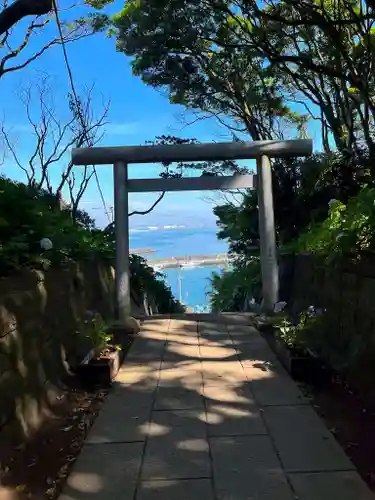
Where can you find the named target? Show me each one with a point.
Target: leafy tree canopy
(251, 62)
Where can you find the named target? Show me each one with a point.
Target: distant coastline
(142, 251)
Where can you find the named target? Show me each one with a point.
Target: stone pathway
(201, 409)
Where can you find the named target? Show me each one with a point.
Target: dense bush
(28, 215)
(232, 289)
(145, 279)
(348, 230)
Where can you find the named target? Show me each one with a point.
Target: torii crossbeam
(120, 157)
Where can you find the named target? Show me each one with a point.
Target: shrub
(30, 217)
(348, 229)
(230, 289)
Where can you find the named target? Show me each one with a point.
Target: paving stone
(184, 356)
(271, 388)
(329, 485)
(169, 458)
(136, 396)
(258, 351)
(179, 398)
(187, 489)
(120, 421)
(239, 318)
(247, 468)
(228, 393)
(186, 423)
(103, 472)
(144, 345)
(155, 324)
(160, 335)
(129, 376)
(225, 371)
(176, 435)
(210, 353)
(183, 339)
(221, 366)
(181, 349)
(244, 333)
(212, 330)
(234, 419)
(219, 378)
(183, 327)
(138, 361)
(182, 364)
(224, 341)
(303, 441)
(180, 377)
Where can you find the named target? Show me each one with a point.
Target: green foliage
(296, 333)
(319, 333)
(200, 53)
(231, 288)
(253, 62)
(145, 279)
(239, 225)
(96, 330)
(349, 228)
(225, 167)
(29, 214)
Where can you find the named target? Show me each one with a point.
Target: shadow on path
(202, 409)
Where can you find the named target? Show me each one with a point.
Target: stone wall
(345, 289)
(40, 317)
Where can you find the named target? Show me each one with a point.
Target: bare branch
(53, 138)
(72, 31)
(12, 150)
(145, 212)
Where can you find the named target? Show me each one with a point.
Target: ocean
(179, 241)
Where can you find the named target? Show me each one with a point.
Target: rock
(133, 325)
(130, 326)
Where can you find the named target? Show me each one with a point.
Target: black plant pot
(303, 364)
(100, 371)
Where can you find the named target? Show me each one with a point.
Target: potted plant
(292, 342)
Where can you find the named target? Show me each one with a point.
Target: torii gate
(120, 157)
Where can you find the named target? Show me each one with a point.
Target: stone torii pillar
(120, 157)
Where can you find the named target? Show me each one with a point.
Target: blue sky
(137, 114)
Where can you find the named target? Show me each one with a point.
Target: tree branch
(20, 9)
(145, 212)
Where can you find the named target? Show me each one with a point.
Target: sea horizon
(180, 241)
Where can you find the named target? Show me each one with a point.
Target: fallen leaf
(21, 488)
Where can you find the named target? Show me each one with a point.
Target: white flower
(331, 202)
(46, 244)
(279, 306)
